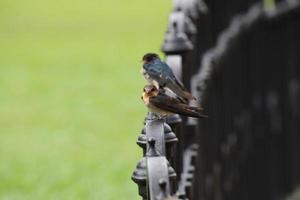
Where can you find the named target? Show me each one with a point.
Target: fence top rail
(226, 40)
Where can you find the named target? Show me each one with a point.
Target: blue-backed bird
(158, 73)
(163, 105)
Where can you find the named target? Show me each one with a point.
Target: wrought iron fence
(241, 59)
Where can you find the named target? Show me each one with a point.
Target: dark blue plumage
(161, 75)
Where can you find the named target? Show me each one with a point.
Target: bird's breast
(145, 98)
(147, 76)
(153, 108)
(143, 71)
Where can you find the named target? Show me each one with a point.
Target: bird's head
(151, 90)
(149, 57)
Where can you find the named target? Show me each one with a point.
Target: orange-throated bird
(158, 73)
(163, 105)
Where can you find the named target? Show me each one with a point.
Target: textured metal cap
(139, 175)
(173, 119)
(170, 136)
(142, 139)
(176, 42)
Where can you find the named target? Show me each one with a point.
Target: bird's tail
(188, 96)
(182, 93)
(181, 89)
(191, 111)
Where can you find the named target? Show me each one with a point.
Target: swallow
(164, 105)
(158, 73)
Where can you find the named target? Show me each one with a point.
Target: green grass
(70, 84)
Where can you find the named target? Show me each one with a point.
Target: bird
(163, 105)
(158, 73)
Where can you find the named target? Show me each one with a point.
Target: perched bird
(163, 105)
(158, 73)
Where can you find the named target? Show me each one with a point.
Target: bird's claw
(155, 116)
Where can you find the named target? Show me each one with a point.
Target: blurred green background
(70, 85)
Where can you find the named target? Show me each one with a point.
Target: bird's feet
(155, 116)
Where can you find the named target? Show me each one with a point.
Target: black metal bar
(226, 84)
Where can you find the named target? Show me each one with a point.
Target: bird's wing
(163, 74)
(164, 78)
(174, 81)
(165, 102)
(179, 89)
(168, 74)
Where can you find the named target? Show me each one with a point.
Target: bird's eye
(153, 89)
